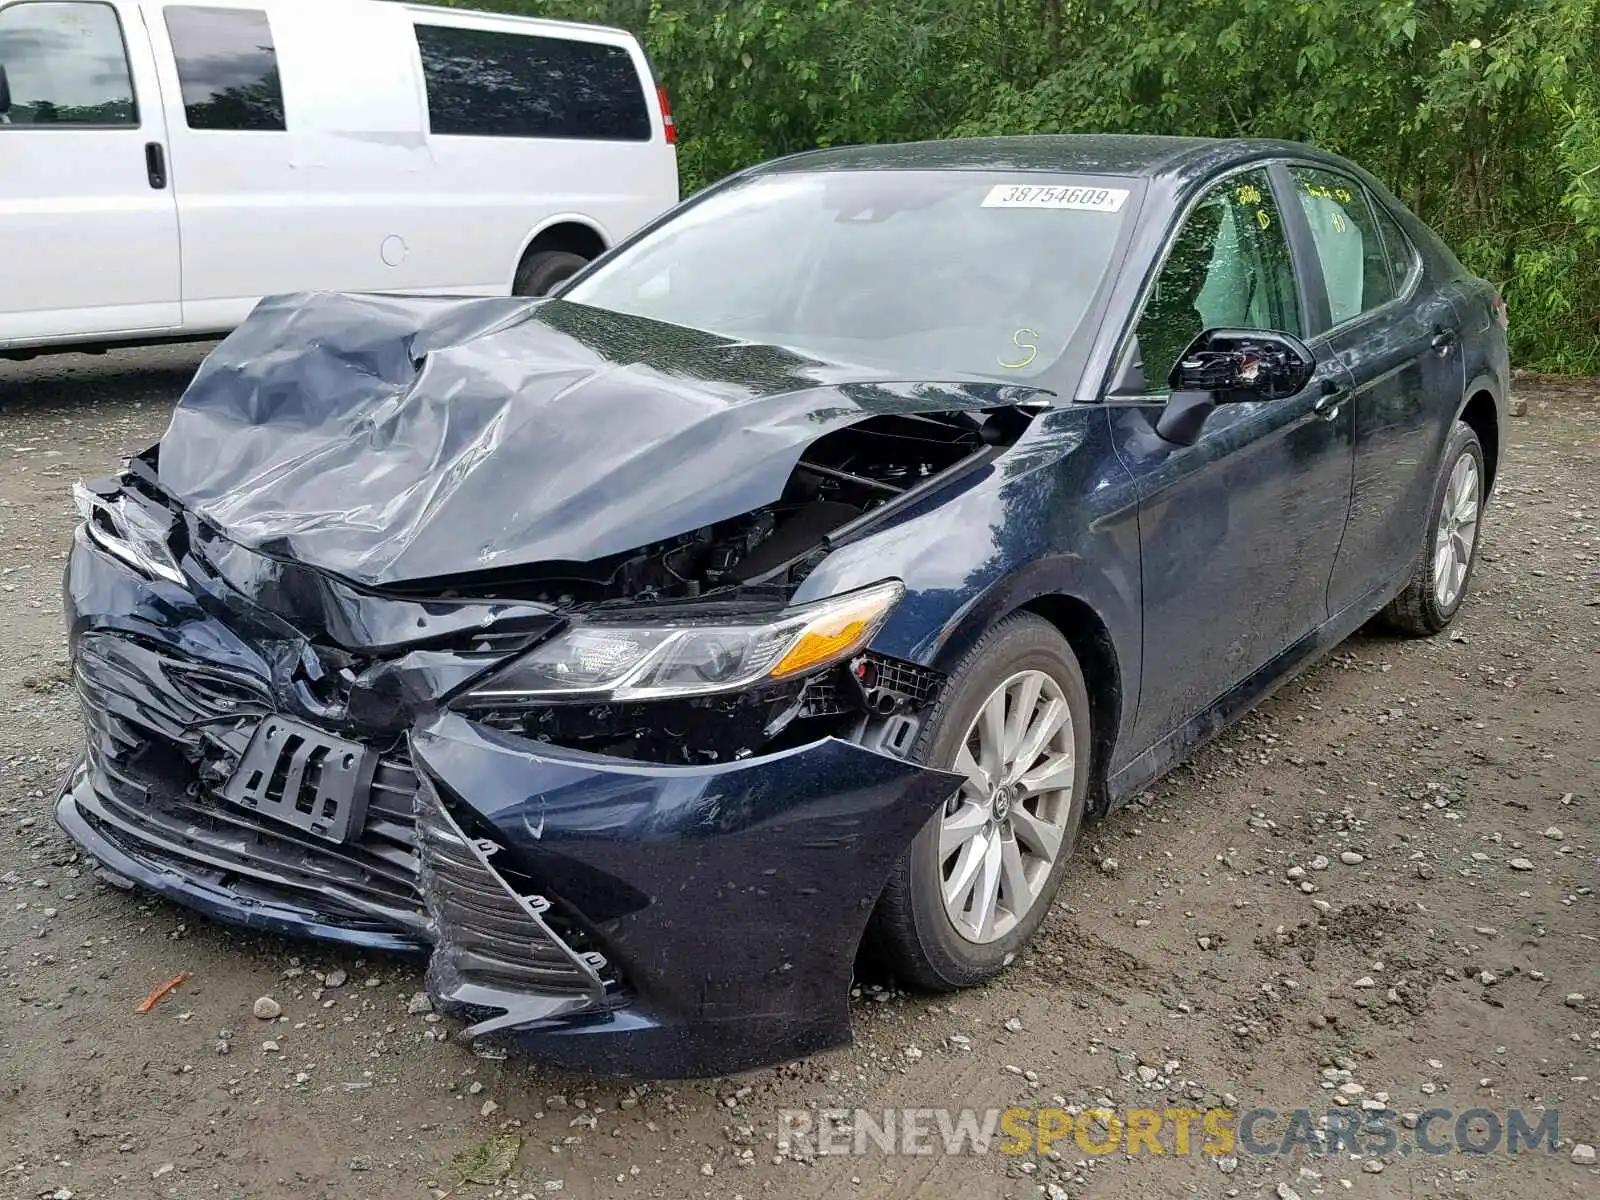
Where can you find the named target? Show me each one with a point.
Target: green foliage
(1483, 115)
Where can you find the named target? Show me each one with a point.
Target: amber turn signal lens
(845, 626)
(824, 644)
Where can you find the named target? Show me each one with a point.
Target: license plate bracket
(298, 775)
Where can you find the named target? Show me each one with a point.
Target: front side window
(961, 273)
(227, 68)
(66, 64)
(1229, 268)
(1355, 265)
(486, 83)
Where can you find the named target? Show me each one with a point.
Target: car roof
(1075, 153)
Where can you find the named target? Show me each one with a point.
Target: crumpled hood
(392, 439)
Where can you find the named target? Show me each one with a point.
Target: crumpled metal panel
(393, 439)
(730, 898)
(726, 901)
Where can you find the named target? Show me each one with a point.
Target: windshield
(961, 273)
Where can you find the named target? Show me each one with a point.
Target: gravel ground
(1378, 889)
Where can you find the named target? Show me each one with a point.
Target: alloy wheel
(1457, 532)
(1001, 835)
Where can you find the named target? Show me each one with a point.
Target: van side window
(66, 64)
(486, 83)
(227, 67)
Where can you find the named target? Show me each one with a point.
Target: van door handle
(155, 164)
(1443, 338)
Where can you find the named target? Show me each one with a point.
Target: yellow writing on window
(1030, 349)
(1342, 195)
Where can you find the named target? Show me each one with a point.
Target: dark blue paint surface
(720, 892)
(730, 898)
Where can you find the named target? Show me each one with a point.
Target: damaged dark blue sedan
(792, 583)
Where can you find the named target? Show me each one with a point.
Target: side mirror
(5, 90)
(1229, 366)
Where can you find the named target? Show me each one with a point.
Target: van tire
(543, 269)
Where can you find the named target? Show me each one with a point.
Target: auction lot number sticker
(1034, 195)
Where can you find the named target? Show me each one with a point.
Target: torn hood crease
(394, 439)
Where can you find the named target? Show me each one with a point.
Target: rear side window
(1401, 253)
(227, 68)
(66, 65)
(485, 83)
(1355, 264)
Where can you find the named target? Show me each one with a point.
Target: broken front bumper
(607, 915)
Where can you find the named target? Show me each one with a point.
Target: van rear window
(489, 83)
(227, 68)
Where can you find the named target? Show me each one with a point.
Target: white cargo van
(164, 165)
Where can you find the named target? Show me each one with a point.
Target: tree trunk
(1000, 36)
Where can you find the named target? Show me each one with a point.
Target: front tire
(979, 878)
(1437, 587)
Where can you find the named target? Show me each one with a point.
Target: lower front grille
(369, 883)
(493, 948)
(164, 736)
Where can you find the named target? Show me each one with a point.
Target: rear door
(1400, 340)
(88, 228)
(1238, 532)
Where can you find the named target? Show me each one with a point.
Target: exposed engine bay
(843, 481)
(432, 494)
(842, 478)
(393, 636)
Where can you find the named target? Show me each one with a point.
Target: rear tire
(914, 930)
(543, 269)
(1450, 541)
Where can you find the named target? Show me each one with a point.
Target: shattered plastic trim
(486, 935)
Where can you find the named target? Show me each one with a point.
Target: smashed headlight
(126, 530)
(601, 661)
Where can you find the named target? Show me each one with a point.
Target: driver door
(1238, 533)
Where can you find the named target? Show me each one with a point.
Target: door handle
(1443, 338)
(155, 164)
(1332, 397)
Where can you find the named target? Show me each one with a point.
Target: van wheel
(978, 880)
(541, 271)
